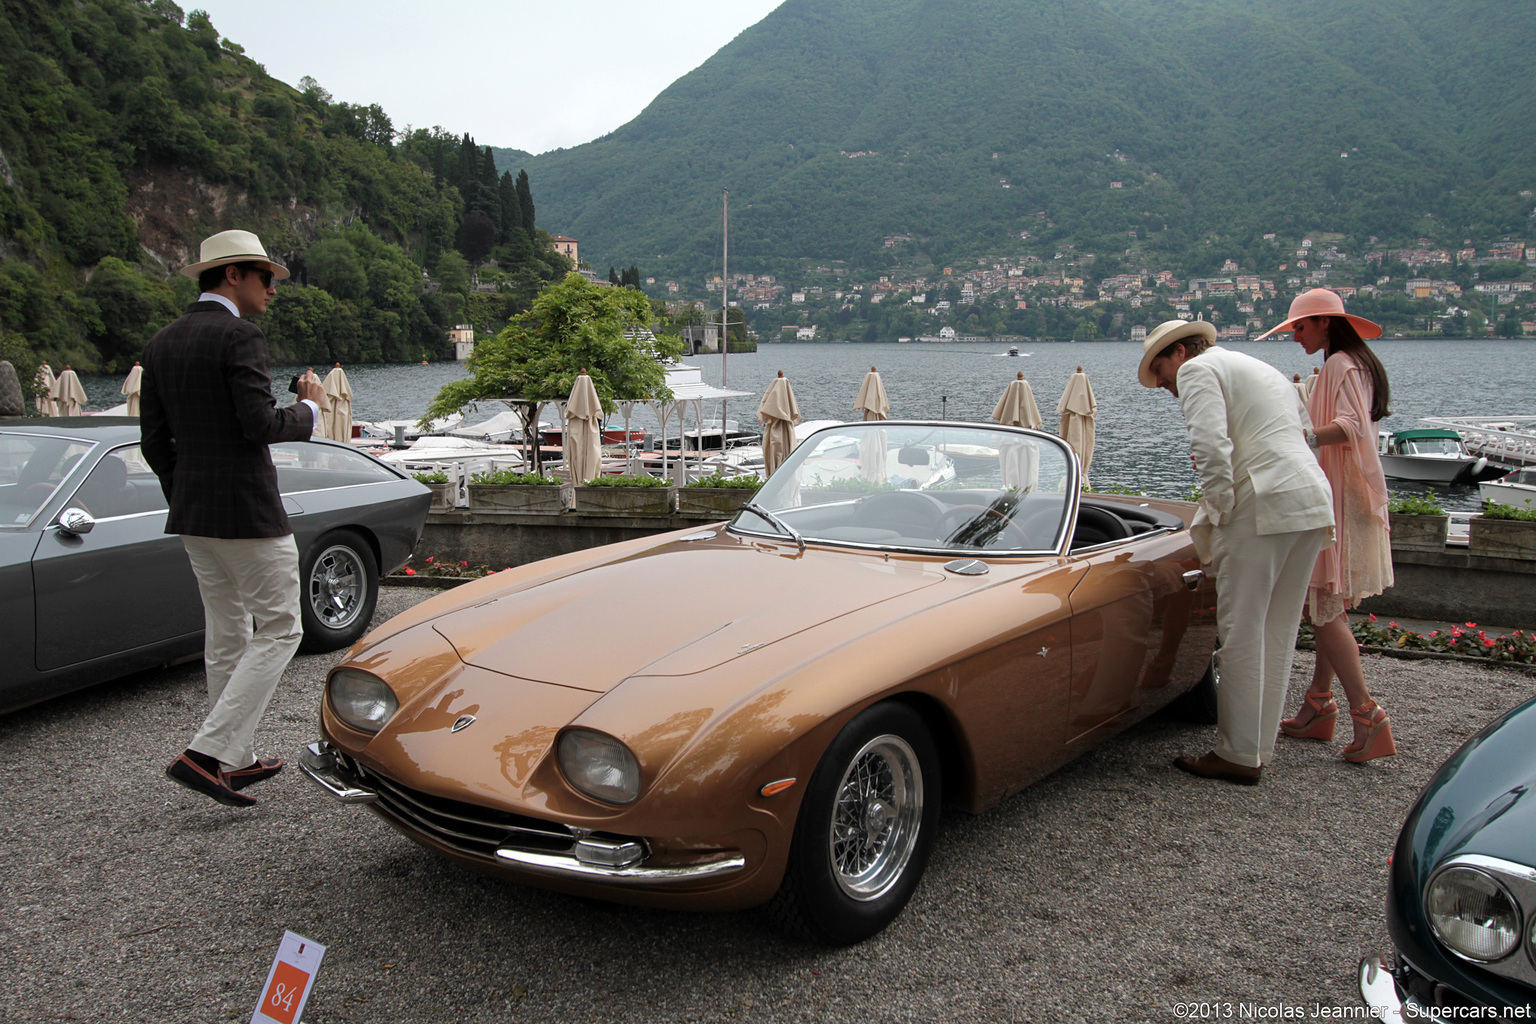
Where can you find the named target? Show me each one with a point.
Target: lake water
(1141, 442)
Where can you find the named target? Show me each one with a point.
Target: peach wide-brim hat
(1165, 334)
(1322, 302)
(234, 246)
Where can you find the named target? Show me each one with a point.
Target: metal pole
(725, 283)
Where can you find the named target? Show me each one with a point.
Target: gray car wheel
(339, 581)
(864, 830)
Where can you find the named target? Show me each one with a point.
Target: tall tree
(525, 201)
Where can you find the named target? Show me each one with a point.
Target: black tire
(338, 588)
(1199, 704)
(864, 831)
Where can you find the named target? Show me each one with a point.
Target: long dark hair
(1342, 337)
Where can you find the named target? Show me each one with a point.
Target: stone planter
(442, 496)
(523, 499)
(1418, 533)
(1502, 538)
(712, 501)
(625, 501)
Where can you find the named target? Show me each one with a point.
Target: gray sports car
(91, 587)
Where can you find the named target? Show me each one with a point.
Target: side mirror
(76, 521)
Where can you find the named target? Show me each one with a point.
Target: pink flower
(1391, 625)
(429, 558)
(1372, 615)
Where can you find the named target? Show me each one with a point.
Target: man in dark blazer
(208, 416)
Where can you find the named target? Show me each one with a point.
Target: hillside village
(1474, 291)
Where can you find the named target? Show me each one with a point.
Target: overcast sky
(525, 74)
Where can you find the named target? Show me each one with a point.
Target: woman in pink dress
(1347, 399)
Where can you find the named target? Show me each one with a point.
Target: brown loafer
(188, 773)
(1210, 766)
(261, 768)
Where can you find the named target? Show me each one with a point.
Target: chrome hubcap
(875, 818)
(336, 585)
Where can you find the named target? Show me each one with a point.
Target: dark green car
(1461, 907)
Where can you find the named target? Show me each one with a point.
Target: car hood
(1483, 799)
(674, 610)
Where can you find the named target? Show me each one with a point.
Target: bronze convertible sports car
(772, 710)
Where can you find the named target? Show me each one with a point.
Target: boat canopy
(1425, 435)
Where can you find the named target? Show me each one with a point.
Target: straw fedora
(233, 246)
(1165, 334)
(1322, 302)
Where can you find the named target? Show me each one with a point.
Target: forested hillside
(839, 124)
(129, 130)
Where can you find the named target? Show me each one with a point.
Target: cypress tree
(525, 200)
(511, 208)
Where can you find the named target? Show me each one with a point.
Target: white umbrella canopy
(68, 393)
(778, 413)
(320, 423)
(872, 401)
(1017, 407)
(583, 433)
(1077, 409)
(133, 387)
(46, 406)
(338, 391)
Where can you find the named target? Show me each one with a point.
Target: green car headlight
(1473, 914)
(600, 766)
(363, 701)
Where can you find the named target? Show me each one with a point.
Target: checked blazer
(207, 415)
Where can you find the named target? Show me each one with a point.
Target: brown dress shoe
(1211, 766)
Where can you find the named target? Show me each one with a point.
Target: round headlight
(600, 766)
(361, 700)
(1473, 914)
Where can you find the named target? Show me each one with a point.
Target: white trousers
(250, 591)
(1261, 584)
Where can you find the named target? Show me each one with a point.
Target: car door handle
(1192, 578)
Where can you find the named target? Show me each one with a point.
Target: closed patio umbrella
(133, 387)
(873, 403)
(321, 423)
(1077, 409)
(338, 391)
(583, 432)
(46, 406)
(778, 413)
(68, 394)
(1020, 460)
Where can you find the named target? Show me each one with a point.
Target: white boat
(1517, 489)
(1510, 440)
(432, 453)
(1430, 456)
(386, 431)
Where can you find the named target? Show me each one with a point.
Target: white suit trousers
(243, 582)
(1261, 584)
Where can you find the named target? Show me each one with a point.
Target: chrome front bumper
(1388, 1001)
(592, 858)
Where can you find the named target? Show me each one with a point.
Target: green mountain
(130, 130)
(838, 124)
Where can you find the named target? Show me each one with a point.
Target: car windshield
(919, 486)
(32, 466)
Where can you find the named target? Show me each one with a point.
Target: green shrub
(432, 478)
(1116, 489)
(1494, 510)
(627, 481)
(512, 476)
(748, 483)
(1427, 505)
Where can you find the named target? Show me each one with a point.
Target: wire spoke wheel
(875, 820)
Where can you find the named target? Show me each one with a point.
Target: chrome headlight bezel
(1457, 882)
(361, 700)
(599, 766)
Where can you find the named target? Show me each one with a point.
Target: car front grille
(467, 828)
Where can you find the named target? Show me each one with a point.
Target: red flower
(1471, 625)
(1372, 615)
(1487, 643)
(429, 558)
(465, 564)
(409, 571)
(1391, 625)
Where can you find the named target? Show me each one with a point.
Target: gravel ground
(1111, 891)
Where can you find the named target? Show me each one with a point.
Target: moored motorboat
(1433, 456)
(1517, 489)
(1510, 440)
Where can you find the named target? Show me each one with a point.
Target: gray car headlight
(361, 700)
(1473, 914)
(600, 766)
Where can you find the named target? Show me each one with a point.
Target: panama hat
(1322, 302)
(233, 246)
(1165, 334)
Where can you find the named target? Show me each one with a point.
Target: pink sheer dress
(1359, 562)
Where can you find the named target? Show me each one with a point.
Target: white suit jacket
(1245, 423)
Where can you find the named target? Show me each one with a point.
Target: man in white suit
(1267, 511)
